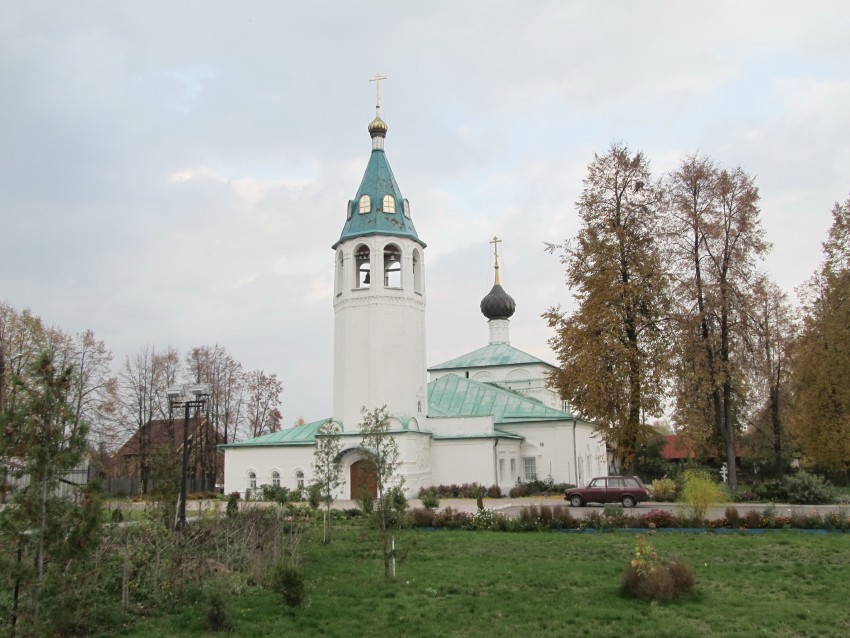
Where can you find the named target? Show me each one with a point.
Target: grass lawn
(456, 583)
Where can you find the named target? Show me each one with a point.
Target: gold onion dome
(378, 126)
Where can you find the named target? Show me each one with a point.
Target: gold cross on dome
(496, 241)
(377, 80)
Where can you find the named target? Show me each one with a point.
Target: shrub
(753, 520)
(733, 517)
(648, 578)
(397, 499)
(289, 583)
(219, 614)
(562, 517)
(700, 492)
(232, 505)
(423, 516)
(276, 493)
(808, 489)
(314, 495)
(453, 519)
(663, 490)
(429, 499)
(494, 491)
(517, 491)
(659, 518)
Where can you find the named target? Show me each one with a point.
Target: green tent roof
(378, 181)
(494, 354)
(454, 396)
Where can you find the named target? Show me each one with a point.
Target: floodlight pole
(200, 401)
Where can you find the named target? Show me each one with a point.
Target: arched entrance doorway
(363, 478)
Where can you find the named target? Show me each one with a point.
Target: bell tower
(379, 298)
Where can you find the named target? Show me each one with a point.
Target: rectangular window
(530, 468)
(501, 470)
(513, 469)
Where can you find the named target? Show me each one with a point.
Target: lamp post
(187, 396)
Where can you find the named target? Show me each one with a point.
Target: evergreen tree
(41, 432)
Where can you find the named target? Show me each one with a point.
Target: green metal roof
(494, 354)
(378, 181)
(299, 435)
(454, 396)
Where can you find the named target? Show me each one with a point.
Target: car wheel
(629, 501)
(575, 500)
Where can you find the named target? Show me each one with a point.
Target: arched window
(417, 272)
(276, 478)
(299, 479)
(252, 480)
(365, 204)
(406, 208)
(392, 266)
(363, 266)
(389, 204)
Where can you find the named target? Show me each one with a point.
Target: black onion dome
(498, 304)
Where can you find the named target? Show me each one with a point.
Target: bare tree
(263, 405)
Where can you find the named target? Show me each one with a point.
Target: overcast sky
(175, 173)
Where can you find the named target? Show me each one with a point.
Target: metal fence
(132, 486)
(13, 479)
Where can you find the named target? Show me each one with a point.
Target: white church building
(486, 416)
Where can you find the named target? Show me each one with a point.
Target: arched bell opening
(392, 266)
(363, 266)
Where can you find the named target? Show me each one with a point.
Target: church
(486, 416)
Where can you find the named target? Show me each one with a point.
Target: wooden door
(363, 477)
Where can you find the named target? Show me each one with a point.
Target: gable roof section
(494, 354)
(159, 432)
(454, 396)
(299, 435)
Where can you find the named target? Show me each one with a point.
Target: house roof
(676, 448)
(455, 396)
(494, 354)
(298, 435)
(159, 432)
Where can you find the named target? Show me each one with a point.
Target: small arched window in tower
(392, 266)
(299, 479)
(406, 208)
(363, 267)
(389, 204)
(417, 272)
(349, 209)
(276, 478)
(365, 204)
(419, 406)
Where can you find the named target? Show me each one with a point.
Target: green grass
(546, 584)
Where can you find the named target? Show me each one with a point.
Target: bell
(366, 279)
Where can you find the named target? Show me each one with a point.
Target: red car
(628, 490)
